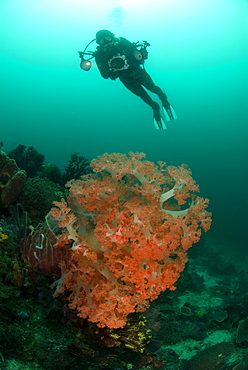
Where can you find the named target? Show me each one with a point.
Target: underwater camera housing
(118, 63)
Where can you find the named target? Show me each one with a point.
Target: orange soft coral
(127, 234)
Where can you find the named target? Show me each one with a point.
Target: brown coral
(11, 179)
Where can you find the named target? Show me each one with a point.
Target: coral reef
(3, 236)
(52, 172)
(211, 358)
(128, 235)
(28, 159)
(135, 335)
(38, 251)
(37, 197)
(120, 228)
(77, 167)
(11, 180)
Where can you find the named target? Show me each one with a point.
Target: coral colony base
(122, 236)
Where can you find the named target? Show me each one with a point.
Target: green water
(198, 55)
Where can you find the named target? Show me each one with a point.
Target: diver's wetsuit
(135, 80)
(133, 76)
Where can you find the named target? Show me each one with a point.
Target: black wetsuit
(132, 75)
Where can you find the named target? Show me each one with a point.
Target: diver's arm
(103, 67)
(130, 49)
(127, 44)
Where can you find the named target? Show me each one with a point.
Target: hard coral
(27, 158)
(211, 358)
(38, 252)
(128, 235)
(37, 196)
(77, 167)
(11, 180)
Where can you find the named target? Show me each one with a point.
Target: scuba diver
(116, 57)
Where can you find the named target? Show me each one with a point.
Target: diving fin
(159, 124)
(159, 121)
(169, 113)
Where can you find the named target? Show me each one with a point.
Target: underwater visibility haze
(198, 55)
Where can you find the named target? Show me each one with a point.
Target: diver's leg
(135, 87)
(148, 83)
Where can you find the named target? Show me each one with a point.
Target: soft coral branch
(127, 234)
